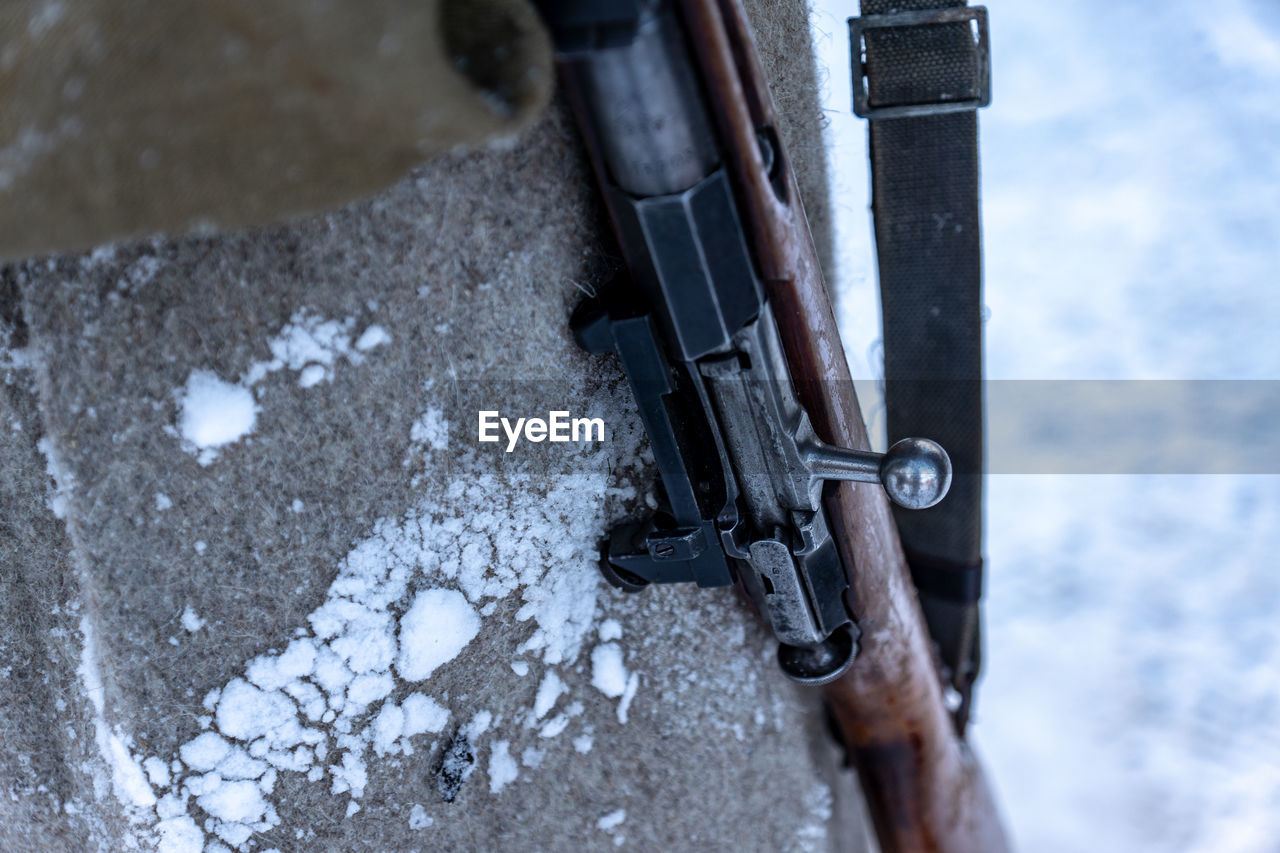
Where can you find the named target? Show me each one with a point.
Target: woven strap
(928, 243)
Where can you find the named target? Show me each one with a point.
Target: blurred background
(1131, 179)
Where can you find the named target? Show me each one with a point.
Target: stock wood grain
(925, 789)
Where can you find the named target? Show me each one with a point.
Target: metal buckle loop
(926, 17)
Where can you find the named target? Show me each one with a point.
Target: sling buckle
(974, 16)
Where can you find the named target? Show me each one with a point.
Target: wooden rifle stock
(924, 787)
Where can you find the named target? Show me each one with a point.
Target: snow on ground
(216, 413)
(548, 692)
(503, 769)
(609, 675)
(191, 620)
(436, 628)
(311, 347)
(128, 779)
(609, 824)
(407, 601)
(372, 337)
(418, 818)
(1130, 172)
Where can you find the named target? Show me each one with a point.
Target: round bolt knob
(916, 473)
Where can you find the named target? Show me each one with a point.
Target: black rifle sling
(924, 72)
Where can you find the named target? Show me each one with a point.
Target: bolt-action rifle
(725, 331)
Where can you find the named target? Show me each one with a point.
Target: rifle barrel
(653, 123)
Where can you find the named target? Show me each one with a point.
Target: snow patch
(191, 621)
(179, 835)
(204, 752)
(234, 801)
(811, 835)
(423, 714)
(608, 674)
(374, 336)
(431, 430)
(323, 705)
(629, 693)
(554, 726)
(548, 692)
(128, 780)
(479, 724)
(502, 767)
(418, 818)
(214, 414)
(309, 345)
(434, 630)
(388, 726)
(63, 480)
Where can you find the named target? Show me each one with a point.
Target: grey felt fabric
(113, 529)
(46, 734)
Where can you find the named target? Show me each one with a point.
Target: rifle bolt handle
(915, 473)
